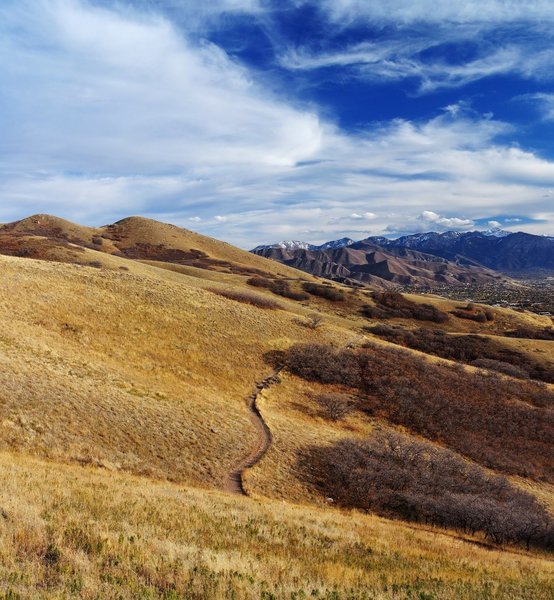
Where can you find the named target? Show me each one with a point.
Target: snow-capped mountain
(342, 243)
(493, 248)
(298, 245)
(286, 245)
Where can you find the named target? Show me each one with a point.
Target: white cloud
(86, 88)
(399, 59)
(457, 11)
(494, 224)
(364, 216)
(111, 112)
(428, 217)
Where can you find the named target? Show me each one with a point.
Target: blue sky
(257, 120)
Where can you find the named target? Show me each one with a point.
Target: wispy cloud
(456, 11)
(109, 110)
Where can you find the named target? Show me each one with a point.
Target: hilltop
(134, 358)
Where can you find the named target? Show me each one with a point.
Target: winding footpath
(234, 482)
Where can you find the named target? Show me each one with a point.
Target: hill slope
(136, 379)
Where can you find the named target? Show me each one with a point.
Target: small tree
(334, 406)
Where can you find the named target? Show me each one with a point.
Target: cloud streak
(108, 111)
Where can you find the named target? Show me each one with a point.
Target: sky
(254, 121)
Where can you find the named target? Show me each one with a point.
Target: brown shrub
(246, 298)
(397, 475)
(335, 406)
(503, 424)
(282, 288)
(324, 291)
(261, 282)
(474, 313)
(547, 333)
(392, 305)
(467, 349)
(501, 367)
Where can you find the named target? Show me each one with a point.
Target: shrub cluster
(474, 313)
(547, 333)
(397, 475)
(503, 424)
(324, 291)
(390, 305)
(246, 298)
(280, 287)
(261, 282)
(471, 349)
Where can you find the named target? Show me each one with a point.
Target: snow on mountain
(288, 245)
(342, 243)
(495, 232)
(298, 245)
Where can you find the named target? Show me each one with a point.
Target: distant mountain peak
(299, 245)
(342, 243)
(287, 245)
(496, 232)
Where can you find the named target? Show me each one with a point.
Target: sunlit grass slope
(69, 532)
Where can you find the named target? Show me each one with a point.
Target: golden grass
(142, 371)
(72, 532)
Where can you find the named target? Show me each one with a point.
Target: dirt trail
(234, 482)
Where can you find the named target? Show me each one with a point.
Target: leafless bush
(324, 291)
(282, 288)
(313, 321)
(397, 475)
(503, 424)
(261, 282)
(547, 333)
(246, 298)
(391, 305)
(468, 349)
(501, 367)
(335, 407)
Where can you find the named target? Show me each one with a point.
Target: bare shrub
(397, 475)
(501, 367)
(324, 291)
(335, 407)
(282, 288)
(261, 282)
(246, 298)
(503, 424)
(390, 305)
(468, 349)
(547, 333)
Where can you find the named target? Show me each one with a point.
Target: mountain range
(423, 258)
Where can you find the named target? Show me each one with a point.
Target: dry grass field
(124, 386)
(68, 532)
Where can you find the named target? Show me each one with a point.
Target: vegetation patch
(281, 287)
(396, 475)
(247, 298)
(473, 312)
(324, 291)
(391, 305)
(547, 333)
(470, 349)
(503, 424)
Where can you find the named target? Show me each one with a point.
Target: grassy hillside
(81, 532)
(133, 376)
